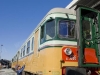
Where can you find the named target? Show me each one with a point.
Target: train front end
(83, 58)
(88, 39)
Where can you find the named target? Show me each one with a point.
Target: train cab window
(42, 34)
(50, 29)
(28, 47)
(32, 43)
(24, 50)
(66, 29)
(72, 29)
(86, 29)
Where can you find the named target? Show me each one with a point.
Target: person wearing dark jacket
(20, 70)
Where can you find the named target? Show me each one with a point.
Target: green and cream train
(65, 42)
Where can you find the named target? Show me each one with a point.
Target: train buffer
(7, 72)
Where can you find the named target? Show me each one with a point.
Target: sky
(18, 18)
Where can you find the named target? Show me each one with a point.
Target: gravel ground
(7, 72)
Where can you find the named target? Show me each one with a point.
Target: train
(65, 42)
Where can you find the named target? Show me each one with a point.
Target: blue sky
(18, 18)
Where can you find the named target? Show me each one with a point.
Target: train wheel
(75, 71)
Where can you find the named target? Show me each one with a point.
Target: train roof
(57, 10)
(61, 10)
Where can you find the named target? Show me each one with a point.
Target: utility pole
(1, 51)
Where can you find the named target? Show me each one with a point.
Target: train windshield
(86, 29)
(66, 29)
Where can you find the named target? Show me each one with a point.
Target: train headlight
(68, 51)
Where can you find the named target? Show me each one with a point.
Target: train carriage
(60, 44)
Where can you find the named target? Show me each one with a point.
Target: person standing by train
(20, 70)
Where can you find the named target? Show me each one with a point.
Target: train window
(21, 52)
(18, 54)
(28, 47)
(66, 29)
(50, 29)
(12, 60)
(32, 43)
(42, 34)
(86, 29)
(16, 57)
(72, 29)
(24, 50)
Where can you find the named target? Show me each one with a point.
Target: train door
(88, 37)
